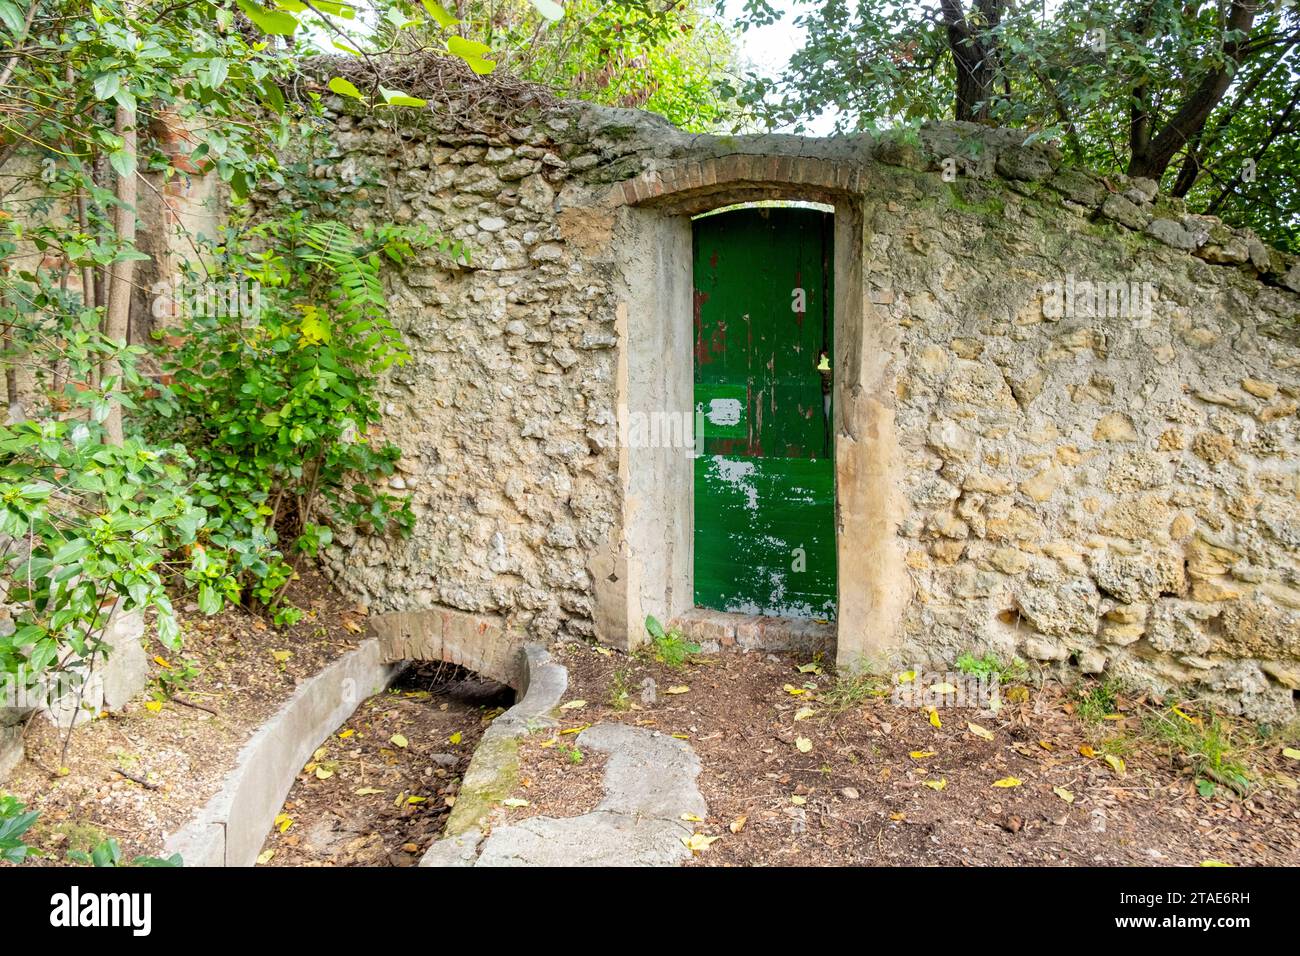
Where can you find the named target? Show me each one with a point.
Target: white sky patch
(768, 49)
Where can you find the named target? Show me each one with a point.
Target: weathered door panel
(765, 485)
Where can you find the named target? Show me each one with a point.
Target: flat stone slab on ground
(649, 784)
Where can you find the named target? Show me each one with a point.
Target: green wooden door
(765, 483)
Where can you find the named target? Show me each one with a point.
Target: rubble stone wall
(1080, 405)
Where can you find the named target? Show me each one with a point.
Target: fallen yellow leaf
(738, 824)
(397, 740)
(1066, 795)
(455, 738)
(282, 656)
(678, 689)
(514, 802)
(1007, 782)
(798, 801)
(1087, 751)
(943, 689)
(936, 784)
(803, 713)
(906, 677)
(934, 718)
(161, 662)
(803, 744)
(1116, 763)
(793, 691)
(323, 774)
(692, 818)
(573, 705)
(698, 841)
(921, 754)
(366, 792)
(979, 731)
(283, 821)
(810, 668)
(153, 706)
(1291, 752)
(346, 734)
(1214, 863)
(265, 857)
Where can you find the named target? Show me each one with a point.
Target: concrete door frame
(648, 566)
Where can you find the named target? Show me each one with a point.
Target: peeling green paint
(765, 485)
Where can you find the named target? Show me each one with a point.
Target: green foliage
(1120, 84)
(280, 407)
(667, 58)
(84, 60)
(620, 691)
(88, 524)
(990, 665)
(15, 820)
(89, 527)
(670, 647)
(1096, 700)
(175, 679)
(849, 689)
(1208, 742)
(109, 855)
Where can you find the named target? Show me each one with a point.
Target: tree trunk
(1156, 153)
(118, 311)
(975, 56)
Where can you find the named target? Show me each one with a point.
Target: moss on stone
(492, 775)
(977, 198)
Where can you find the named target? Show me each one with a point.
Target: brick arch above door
(699, 185)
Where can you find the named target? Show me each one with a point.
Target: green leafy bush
(108, 854)
(670, 646)
(279, 407)
(15, 821)
(87, 529)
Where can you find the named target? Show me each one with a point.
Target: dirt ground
(791, 779)
(379, 791)
(139, 775)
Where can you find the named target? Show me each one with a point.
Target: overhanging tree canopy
(1201, 96)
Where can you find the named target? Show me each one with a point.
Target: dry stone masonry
(1075, 414)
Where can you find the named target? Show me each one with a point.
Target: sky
(769, 49)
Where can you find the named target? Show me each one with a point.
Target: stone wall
(1109, 490)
